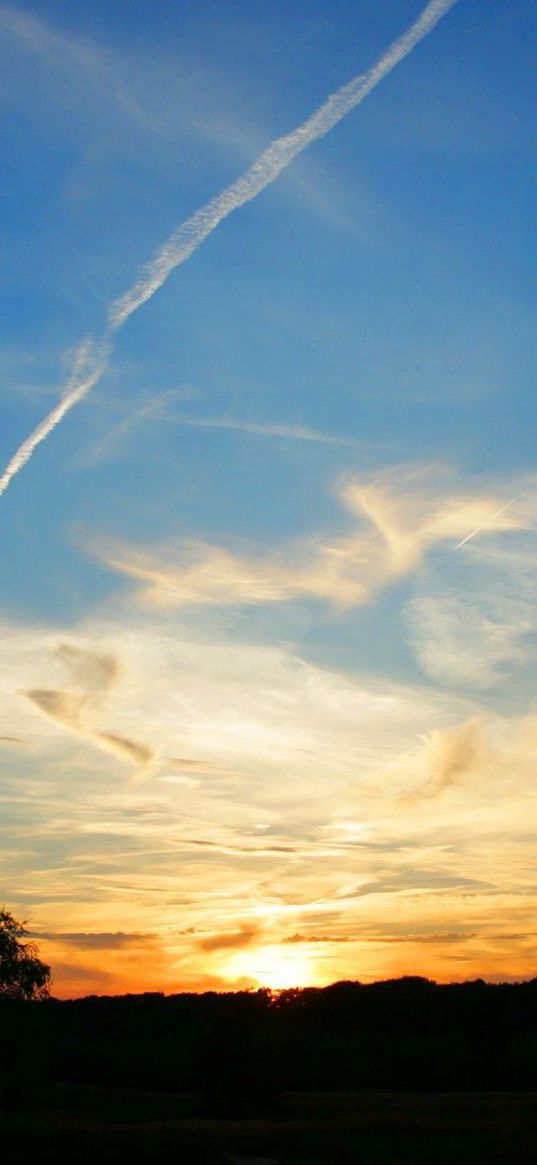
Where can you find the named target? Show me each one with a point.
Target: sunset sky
(269, 502)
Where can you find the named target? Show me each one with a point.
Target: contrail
(88, 367)
(191, 233)
(485, 523)
(269, 165)
(292, 432)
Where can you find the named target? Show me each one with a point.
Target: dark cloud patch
(188, 762)
(133, 750)
(432, 937)
(388, 847)
(516, 936)
(179, 901)
(453, 936)
(64, 707)
(318, 938)
(418, 880)
(97, 942)
(392, 933)
(228, 847)
(94, 675)
(235, 940)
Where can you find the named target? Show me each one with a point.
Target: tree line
(241, 1050)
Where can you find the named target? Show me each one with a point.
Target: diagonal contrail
(188, 237)
(269, 165)
(487, 522)
(88, 367)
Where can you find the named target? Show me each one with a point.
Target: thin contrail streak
(292, 432)
(191, 233)
(485, 523)
(88, 368)
(269, 165)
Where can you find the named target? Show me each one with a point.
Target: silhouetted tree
(22, 974)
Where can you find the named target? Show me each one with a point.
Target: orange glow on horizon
(272, 966)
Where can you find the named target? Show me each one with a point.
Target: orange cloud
(235, 940)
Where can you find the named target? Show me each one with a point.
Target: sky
(268, 496)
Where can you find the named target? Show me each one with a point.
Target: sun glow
(272, 967)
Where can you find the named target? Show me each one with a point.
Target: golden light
(271, 966)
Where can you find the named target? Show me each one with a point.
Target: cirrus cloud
(400, 516)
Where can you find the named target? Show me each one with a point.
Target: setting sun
(271, 967)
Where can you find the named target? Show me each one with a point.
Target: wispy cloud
(473, 619)
(267, 429)
(155, 409)
(78, 59)
(91, 359)
(295, 827)
(451, 755)
(400, 516)
(414, 880)
(460, 761)
(475, 635)
(229, 708)
(94, 674)
(167, 96)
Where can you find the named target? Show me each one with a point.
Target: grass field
(383, 1128)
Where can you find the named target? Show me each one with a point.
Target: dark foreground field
(84, 1123)
(405, 1072)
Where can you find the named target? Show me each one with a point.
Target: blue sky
(262, 497)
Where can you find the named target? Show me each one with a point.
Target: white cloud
(473, 621)
(232, 707)
(473, 641)
(484, 764)
(399, 517)
(363, 786)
